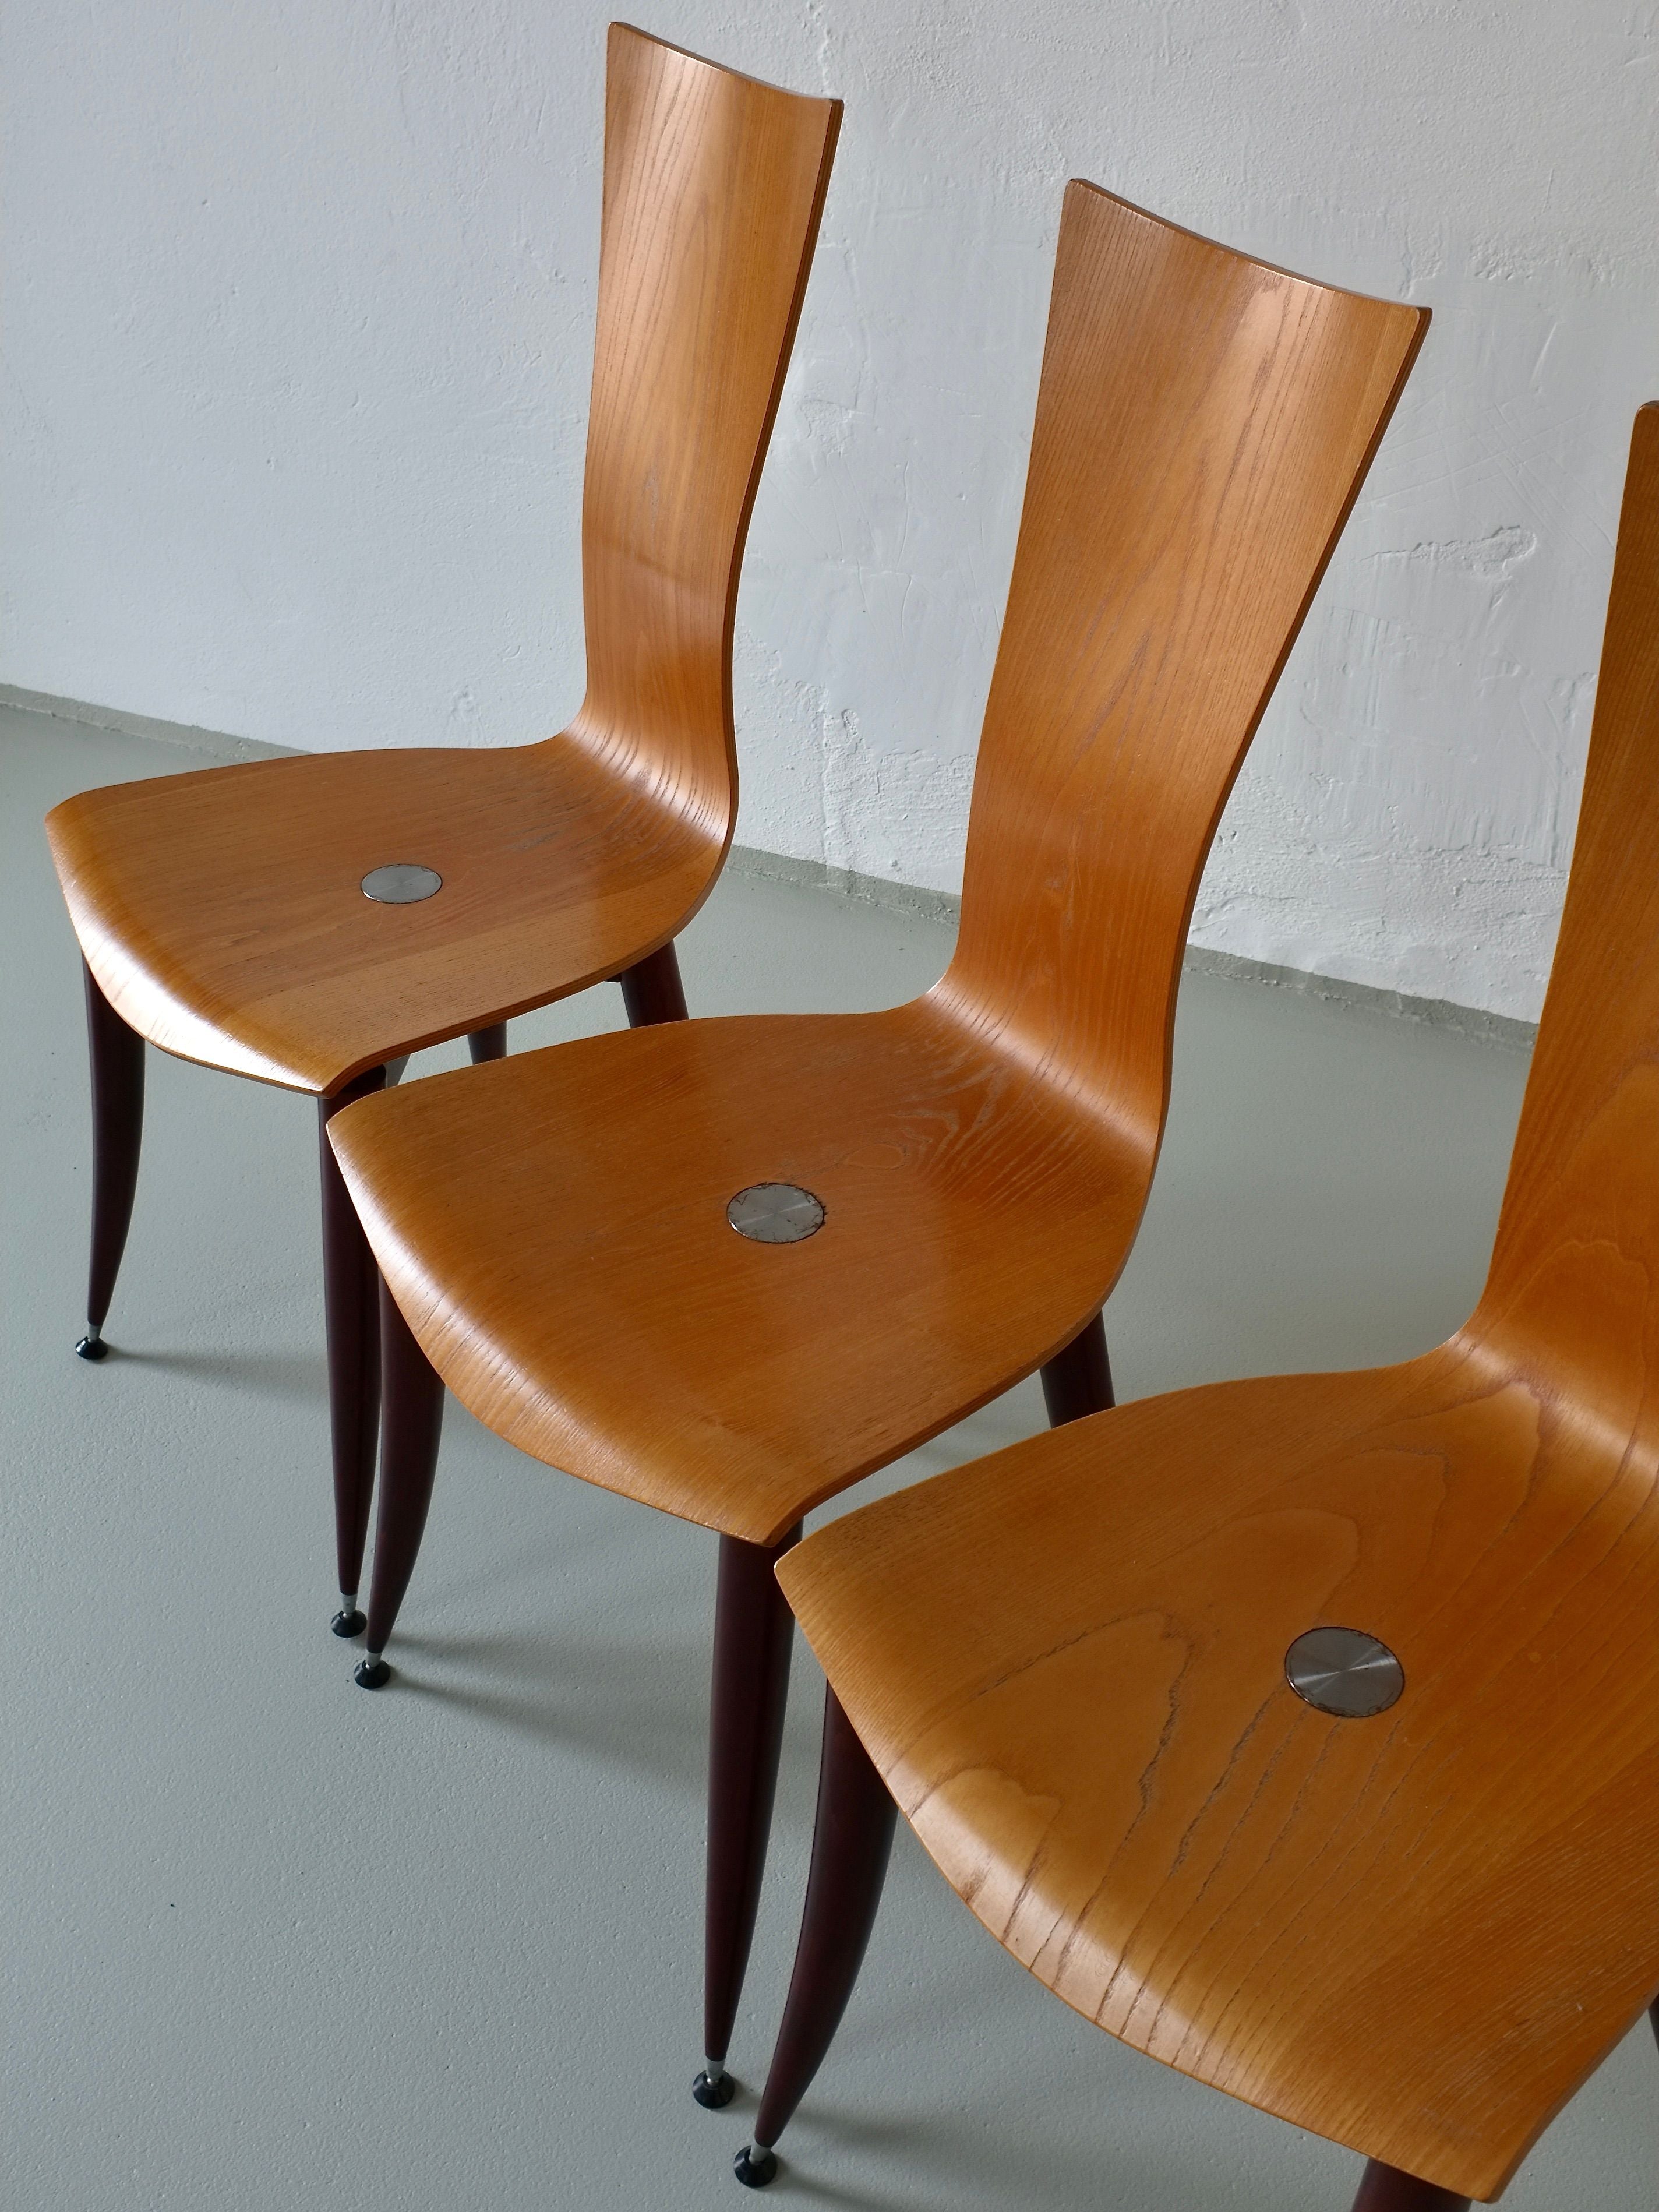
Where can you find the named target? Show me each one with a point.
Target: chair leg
(1385, 2188)
(754, 1635)
(117, 1056)
(652, 989)
(1079, 1380)
(851, 1838)
(350, 1307)
(411, 1421)
(488, 1044)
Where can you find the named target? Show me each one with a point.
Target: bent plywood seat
(223, 914)
(1415, 1932)
(556, 1229)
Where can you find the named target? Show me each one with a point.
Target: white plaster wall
(296, 328)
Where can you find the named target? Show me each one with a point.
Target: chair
(1304, 1732)
(934, 1200)
(311, 922)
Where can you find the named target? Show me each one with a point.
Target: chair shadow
(1019, 2172)
(296, 1377)
(642, 1706)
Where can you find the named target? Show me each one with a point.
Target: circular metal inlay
(402, 882)
(1345, 1672)
(775, 1213)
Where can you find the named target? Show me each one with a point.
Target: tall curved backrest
(1203, 426)
(1574, 1287)
(714, 186)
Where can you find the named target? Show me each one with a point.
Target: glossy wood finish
(1079, 1381)
(221, 911)
(351, 1317)
(116, 1056)
(1415, 1934)
(554, 1228)
(652, 990)
(754, 1635)
(852, 1840)
(410, 1426)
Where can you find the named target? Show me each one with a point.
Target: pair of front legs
(354, 1305)
(352, 1296)
(402, 1391)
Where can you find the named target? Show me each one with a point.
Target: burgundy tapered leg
(1079, 1380)
(851, 1838)
(116, 1053)
(754, 1633)
(488, 1044)
(351, 1311)
(1385, 2188)
(652, 989)
(411, 1421)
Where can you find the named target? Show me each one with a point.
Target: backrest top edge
(1238, 253)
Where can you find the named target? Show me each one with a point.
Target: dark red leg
(754, 1632)
(488, 1044)
(850, 1840)
(116, 1057)
(1079, 1380)
(1385, 2188)
(652, 989)
(410, 1423)
(350, 1306)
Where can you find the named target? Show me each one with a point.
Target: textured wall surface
(297, 323)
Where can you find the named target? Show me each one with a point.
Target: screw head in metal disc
(775, 1213)
(401, 882)
(1345, 1672)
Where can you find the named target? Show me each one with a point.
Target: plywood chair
(1304, 1732)
(310, 922)
(932, 1201)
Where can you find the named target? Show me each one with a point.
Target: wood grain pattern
(1415, 1934)
(554, 1228)
(221, 911)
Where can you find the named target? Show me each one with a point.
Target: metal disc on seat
(775, 1213)
(401, 882)
(1345, 1672)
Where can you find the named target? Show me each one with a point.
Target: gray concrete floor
(274, 1942)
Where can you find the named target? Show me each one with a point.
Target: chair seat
(1414, 1933)
(223, 914)
(554, 1229)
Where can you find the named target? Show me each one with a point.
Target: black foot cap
(371, 1674)
(753, 2166)
(714, 2096)
(348, 1623)
(92, 1347)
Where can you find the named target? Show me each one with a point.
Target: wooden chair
(1304, 1732)
(311, 922)
(935, 1200)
